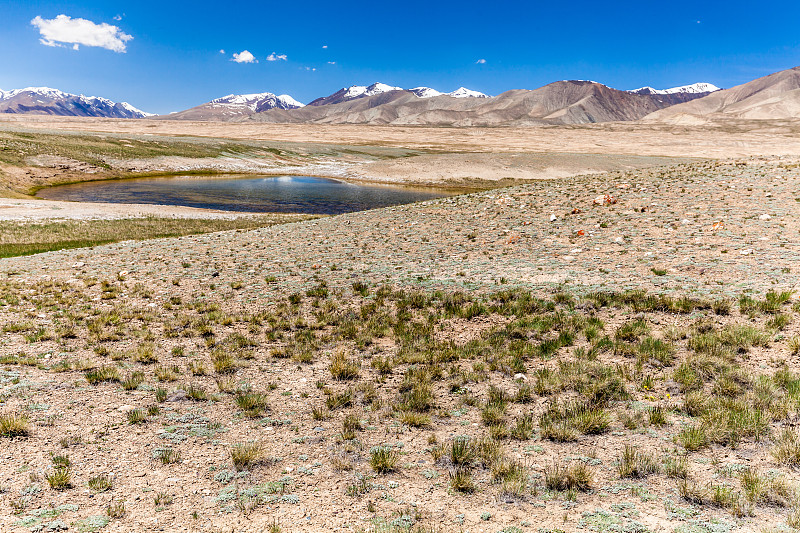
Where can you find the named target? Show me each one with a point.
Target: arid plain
(600, 332)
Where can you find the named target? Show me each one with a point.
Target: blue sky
(172, 61)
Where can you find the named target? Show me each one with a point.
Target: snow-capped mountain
(425, 92)
(235, 106)
(355, 92)
(695, 88)
(257, 102)
(47, 101)
(359, 91)
(461, 92)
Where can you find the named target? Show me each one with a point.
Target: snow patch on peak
(67, 103)
(358, 91)
(38, 91)
(257, 101)
(135, 110)
(694, 88)
(289, 101)
(425, 92)
(461, 92)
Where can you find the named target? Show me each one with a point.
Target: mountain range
(565, 102)
(562, 102)
(46, 101)
(233, 107)
(776, 96)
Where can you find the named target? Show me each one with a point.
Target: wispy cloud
(331, 62)
(480, 62)
(118, 17)
(324, 46)
(244, 57)
(222, 51)
(276, 57)
(64, 30)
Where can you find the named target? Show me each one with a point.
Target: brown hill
(772, 97)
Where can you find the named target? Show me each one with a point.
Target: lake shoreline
(245, 193)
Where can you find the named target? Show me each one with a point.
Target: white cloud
(64, 30)
(117, 17)
(310, 69)
(480, 62)
(244, 57)
(222, 51)
(276, 57)
(331, 62)
(324, 46)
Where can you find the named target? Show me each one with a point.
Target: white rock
(553, 218)
(520, 376)
(764, 217)
(746, 252)
(79, 264)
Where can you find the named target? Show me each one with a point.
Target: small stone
(553, 218)
(177, 396)
(764, 217)
(522, 377)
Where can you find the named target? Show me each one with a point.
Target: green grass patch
(32, 238)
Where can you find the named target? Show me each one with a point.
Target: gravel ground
(714, 228)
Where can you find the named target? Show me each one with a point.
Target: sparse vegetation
(360, 384)
(246, 455)
(383, 460)
(14, 425)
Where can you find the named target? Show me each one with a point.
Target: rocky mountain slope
(47, 101)
(773, 97)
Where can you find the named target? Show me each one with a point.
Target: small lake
(264, 194)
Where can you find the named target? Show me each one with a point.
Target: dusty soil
(709, 230)
(24, 210)
(737, 139)
(496, 169)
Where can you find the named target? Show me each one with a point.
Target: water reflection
(281, 194)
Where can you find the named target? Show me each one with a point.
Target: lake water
(264, 194)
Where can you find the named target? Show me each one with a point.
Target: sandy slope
(773, 97)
